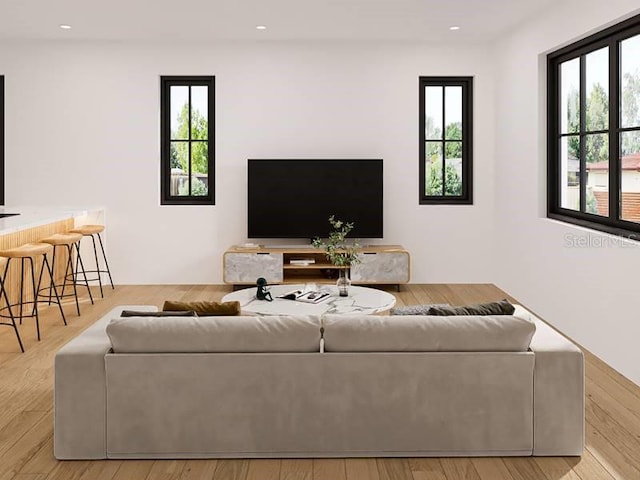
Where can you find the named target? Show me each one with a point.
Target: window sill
(628, 234)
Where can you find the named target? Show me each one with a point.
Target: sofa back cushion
(215, 334)
(422, 333)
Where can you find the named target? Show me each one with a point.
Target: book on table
(308, 296)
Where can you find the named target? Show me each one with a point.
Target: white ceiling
(480, 20)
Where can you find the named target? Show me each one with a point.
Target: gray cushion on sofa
(215, 334)
(137, 313)
(422, 309)
(503, 307)
(420, 333)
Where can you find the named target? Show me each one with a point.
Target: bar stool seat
(94, 231)
(30, 252)
(62, 239)
(70, 241)
(88, 229)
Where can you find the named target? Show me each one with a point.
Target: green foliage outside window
(592, 203)
(198, 187)
(452, 150)
(199, 150)
(597, 118)
(453, 182)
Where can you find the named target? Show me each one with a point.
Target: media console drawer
(382, 267)
(246, 268)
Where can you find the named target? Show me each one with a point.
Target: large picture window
(188, 143)
(594, 131)
(446, 139)
(1, 140)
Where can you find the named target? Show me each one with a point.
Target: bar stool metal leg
(95, 253)
(21, 286)
(68, 267)
(45, 264)
(106, 263)
(84, 272)
(3, 293)
(35, 297)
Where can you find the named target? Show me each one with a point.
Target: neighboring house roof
(630, 162)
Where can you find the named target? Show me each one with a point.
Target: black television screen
(295, 198)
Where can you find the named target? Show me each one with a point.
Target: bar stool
(30, 252)
(69, 241)
(95, 231)
(3, 294)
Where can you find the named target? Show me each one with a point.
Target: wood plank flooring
(26, 420)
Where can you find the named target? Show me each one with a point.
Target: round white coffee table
(360, 300)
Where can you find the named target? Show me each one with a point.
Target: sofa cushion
(215, 334)
(422, 309)
(139, 313)
(503, 307)
(421, 333)
(204, 309)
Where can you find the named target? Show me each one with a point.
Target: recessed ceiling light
(454, 27)
(65, 27)
(261, 27)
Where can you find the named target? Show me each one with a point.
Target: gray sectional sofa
(336, 386)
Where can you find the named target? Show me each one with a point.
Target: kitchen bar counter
(31, 217)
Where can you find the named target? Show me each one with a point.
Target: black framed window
(593, 120)
(1, 140)
(187, 109)
(446, 140)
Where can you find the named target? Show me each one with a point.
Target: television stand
(381, 265)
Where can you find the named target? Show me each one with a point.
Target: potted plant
(340, 252)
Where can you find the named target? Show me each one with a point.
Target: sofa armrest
(80, 392)
(558, 405)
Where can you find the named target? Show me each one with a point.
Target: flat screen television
(295, 198)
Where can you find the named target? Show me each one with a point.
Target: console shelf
(381, 264)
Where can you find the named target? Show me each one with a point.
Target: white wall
(82, 128)
(588, 292)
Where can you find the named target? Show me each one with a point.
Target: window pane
(570, 172)
(597, 152)
(433, 113)
(433, 169)
(453, 113)
(570, 96)
(598, 90)
(199, 168)
(630, 176)
(179, 112)
(453, 169)
(630, 144)
(630, 81)
(199, 113)
(179, 168)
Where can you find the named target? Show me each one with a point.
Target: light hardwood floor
(26, 421)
